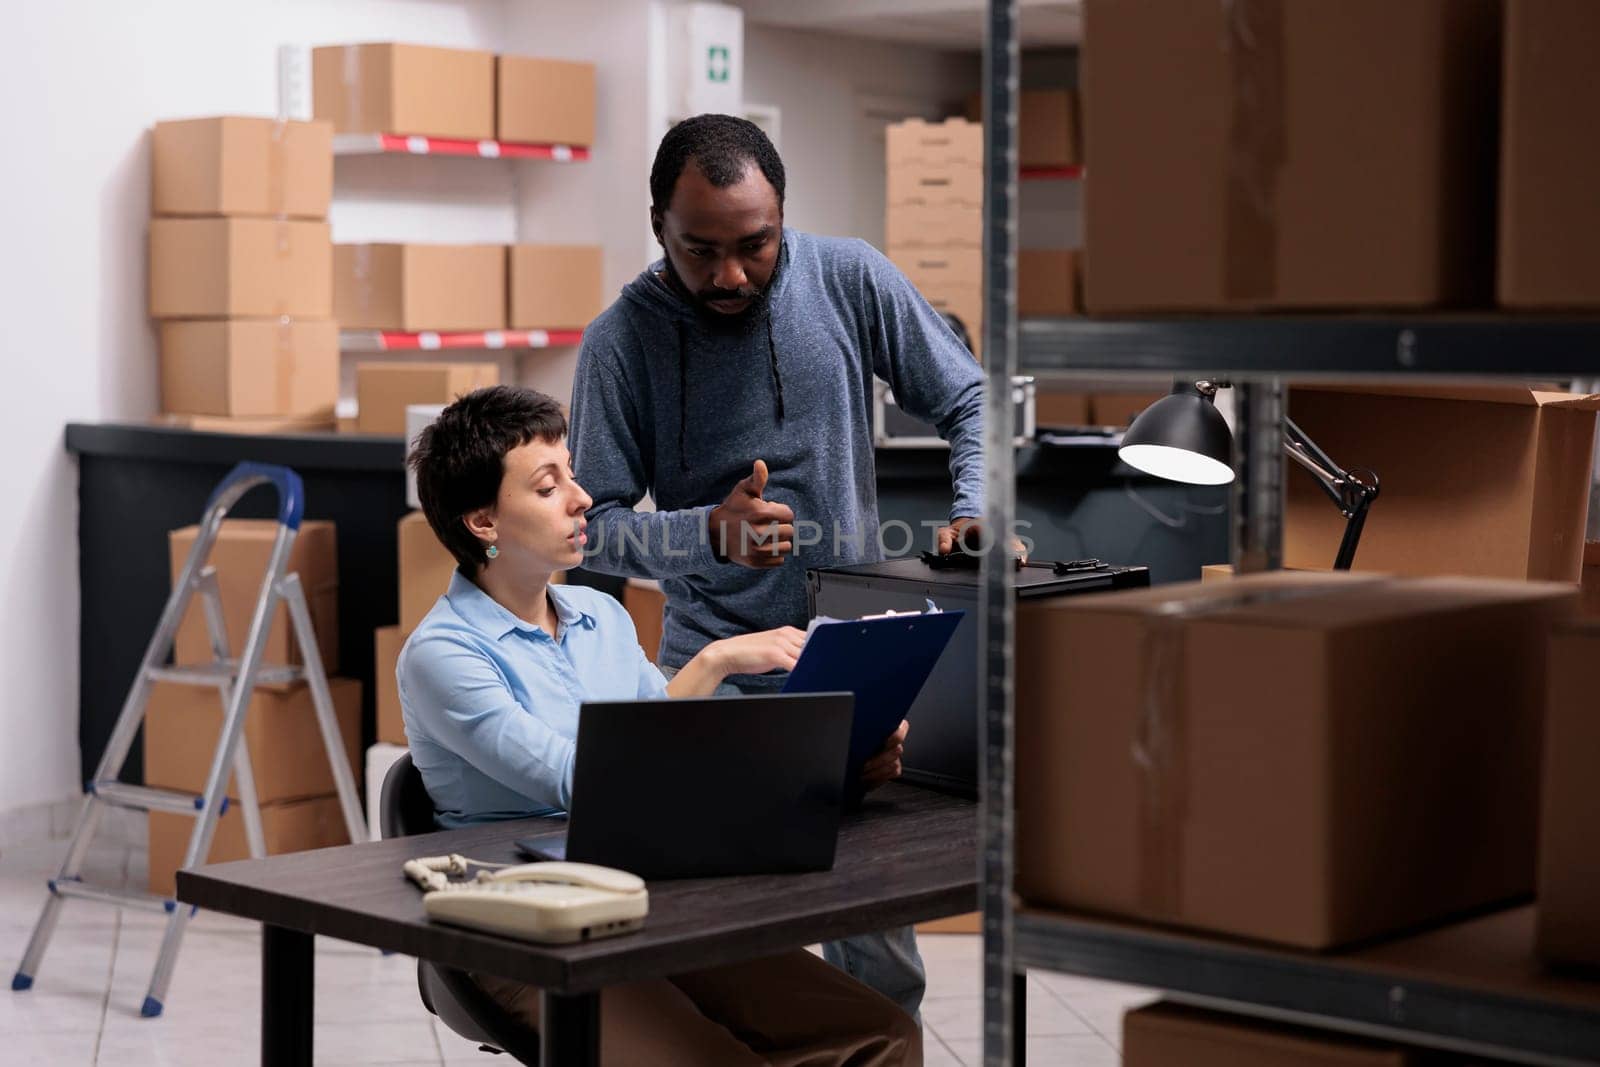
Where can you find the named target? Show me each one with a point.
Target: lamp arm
(1353, 492)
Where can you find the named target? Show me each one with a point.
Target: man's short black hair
(460, 458)
(722, 146)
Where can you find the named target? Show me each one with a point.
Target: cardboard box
(287, 756)
(384, 390)
(917, 141)
(236, 165)
(405, 88)
(970, 923)
(645, 603)
(1549, 245)
(1047, 282)
(1589, 583)
(1292, 156)
(248, 424)
(240, 268)
(418, 287)
(387, 641)
(1120, 409)
(544, 101)
(1047, 128)
(1173, 1035)
(919, 225)
(1569, 862)
(294, 826)
(250, 367)
(957, 266)
(555, 287)
(1057, 406)
(965, 302)
(1307, 759)
(1490, 481)
(240, 555)
(958, 182)
(426, 567)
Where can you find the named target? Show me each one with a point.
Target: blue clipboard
(883, 661)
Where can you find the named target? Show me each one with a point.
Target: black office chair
(405, 809)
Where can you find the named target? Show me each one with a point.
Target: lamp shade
(1181, 437)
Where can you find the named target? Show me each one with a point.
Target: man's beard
(721, 321)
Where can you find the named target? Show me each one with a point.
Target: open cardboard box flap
(1483, 393)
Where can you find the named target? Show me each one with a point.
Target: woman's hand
(757, 653)
(885, 766)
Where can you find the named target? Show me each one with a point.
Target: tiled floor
(83, 1009)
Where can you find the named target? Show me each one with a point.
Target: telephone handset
(554, 903)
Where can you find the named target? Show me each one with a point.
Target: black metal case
(942, 747)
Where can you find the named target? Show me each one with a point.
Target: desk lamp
(1183, 437)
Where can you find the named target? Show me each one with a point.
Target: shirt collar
(485, 613)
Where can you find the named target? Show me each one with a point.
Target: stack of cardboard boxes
(415, 288)
(933, 223)
(454, 94)
(241, 273)
(425, 570)
(293, 776)
(1229, 173)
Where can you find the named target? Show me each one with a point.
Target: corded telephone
(554, 903)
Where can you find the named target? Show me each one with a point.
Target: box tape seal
(283, 371)
(1257, 146)
(354, 118)
(1160, 744)
(278, 170)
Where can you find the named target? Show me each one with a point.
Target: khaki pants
(792, 1010)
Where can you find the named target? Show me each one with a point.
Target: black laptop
(709, 787)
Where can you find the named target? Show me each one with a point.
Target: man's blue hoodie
(671, 402)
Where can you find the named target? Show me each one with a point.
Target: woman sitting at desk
(490, 686)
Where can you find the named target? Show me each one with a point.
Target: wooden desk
(908, 856)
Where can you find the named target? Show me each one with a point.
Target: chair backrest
(404, 807)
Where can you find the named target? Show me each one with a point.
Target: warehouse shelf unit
(369, 144)
(433, 340)
(1070, 173)
(1472, 985)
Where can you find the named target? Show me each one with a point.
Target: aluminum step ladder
(235, 679)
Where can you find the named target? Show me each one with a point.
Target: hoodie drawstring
(683, 398)
(772, 352)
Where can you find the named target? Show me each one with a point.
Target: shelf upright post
(1258, 484)
(1004, 988)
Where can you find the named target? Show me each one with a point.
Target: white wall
(87, 78)
(824, 83)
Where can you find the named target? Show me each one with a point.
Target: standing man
(732, 381)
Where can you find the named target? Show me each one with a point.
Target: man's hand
(750, 531)
(967, 534)
(885, 766)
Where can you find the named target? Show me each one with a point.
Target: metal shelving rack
(1473, 985)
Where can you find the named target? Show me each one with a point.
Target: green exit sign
(718, 63)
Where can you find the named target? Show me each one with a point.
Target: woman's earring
(491, 552)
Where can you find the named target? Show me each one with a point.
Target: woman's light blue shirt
(491, 701)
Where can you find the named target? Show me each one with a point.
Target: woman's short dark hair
(722, 146)
(460, 458)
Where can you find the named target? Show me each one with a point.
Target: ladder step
(117, 898)
(223, 673)
(144, 798)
